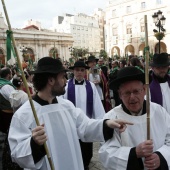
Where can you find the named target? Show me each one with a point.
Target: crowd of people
(91, 100)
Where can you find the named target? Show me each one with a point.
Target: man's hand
(144, 149)
(120, 124)
(152, 162)
(38, 135)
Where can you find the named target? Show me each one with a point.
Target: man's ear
(51, 81)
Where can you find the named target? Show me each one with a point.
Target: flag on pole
(9, 46)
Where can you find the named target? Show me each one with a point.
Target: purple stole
(89, 100)
(155, 89)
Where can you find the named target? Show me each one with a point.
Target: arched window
(53, 53)
(28, 54)
(129, 28)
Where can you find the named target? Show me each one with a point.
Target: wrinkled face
(132, 95)
(92, 64)
(160, 71)
(79, 73)
(58, 87)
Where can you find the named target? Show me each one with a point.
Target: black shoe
(86, 168)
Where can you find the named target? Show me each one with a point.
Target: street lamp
(159, 21)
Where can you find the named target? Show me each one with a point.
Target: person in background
(134, 61)
(112, 76)
(17, 98)
(83, 94)
(101, 65)
(122, 63)
(160, 80)
(97, 76)
(6, 88)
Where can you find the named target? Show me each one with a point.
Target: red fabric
(106, 94)
(31, 92)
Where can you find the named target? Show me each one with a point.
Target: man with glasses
(131, 150)
(83, 94)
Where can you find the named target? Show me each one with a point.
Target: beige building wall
(125, 26)
(40, 43)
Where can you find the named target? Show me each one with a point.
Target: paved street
(94, 165)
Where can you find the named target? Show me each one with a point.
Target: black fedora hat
(127, 74)
(49, 65)
(91, 58)
(160, 60)
(79, 64)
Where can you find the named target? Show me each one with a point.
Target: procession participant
(130, 150)
(83, 94)
(61, 123)
(97, 76)
(6, 87)
(112, 75)
(160, 84)
(101, 65)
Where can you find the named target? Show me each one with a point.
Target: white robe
(115, 152)
(165, 95)
(64, 125)
(80, 99)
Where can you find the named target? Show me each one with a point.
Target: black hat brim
(115, 84)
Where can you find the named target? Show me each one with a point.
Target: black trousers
(87, 152)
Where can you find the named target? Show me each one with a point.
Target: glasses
(134, 92)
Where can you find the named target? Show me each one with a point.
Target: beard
(58, 92)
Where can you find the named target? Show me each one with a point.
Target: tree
(103, 54)
(79, 52)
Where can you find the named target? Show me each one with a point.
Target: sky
(20, 11)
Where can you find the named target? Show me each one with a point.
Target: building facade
(125, 27)
(84, 29)
(37, 42)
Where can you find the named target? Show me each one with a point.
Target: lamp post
(159, 21)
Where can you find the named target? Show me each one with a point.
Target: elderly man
(160, 84)
(60, 121)
(84, 95)
(130, 150)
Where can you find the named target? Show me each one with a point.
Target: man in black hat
(61, 124)
(131, 150)
(97, 76)
(83, 94)
(160, 84)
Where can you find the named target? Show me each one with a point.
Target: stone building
(84, 29)
(125, 27)
(37, 42)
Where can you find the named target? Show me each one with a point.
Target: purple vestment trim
(155, 89)
(89, 100)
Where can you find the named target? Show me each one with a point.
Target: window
(128, 9)
(143, 5)
(114, 31)
(129, 30)
(142, 28)
(159, 1)
(114, 13)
